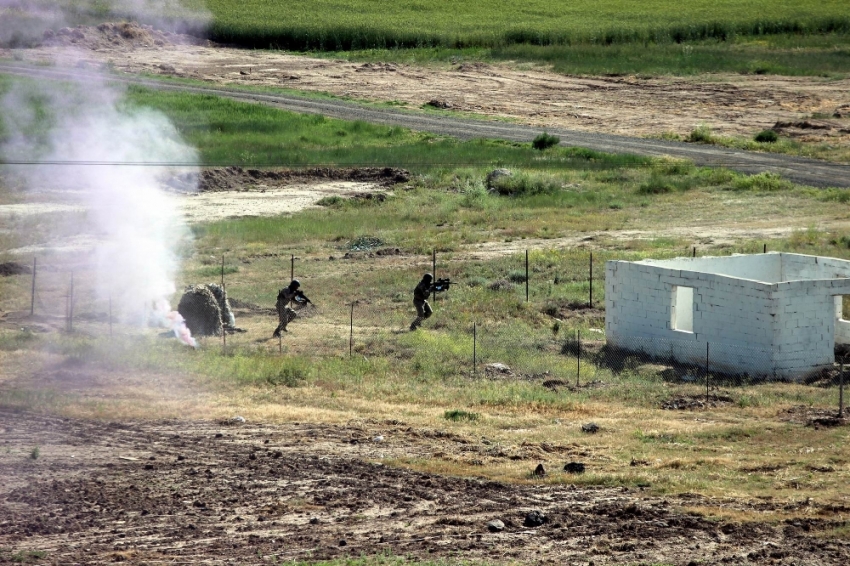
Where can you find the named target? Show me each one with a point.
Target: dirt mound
(815, 416)
(236, 178)
(696, 402)
(14, 268)
(124, 35)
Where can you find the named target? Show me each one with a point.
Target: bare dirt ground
(207, 492)
(729, 104)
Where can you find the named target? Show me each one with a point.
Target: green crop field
(357, 24)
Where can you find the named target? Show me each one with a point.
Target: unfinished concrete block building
(775, 314)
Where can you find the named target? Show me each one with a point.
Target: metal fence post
(590, 301)
(110, 316)
(222, 271)
(71, 305)
(706, 372)
(434, 273)
(292, 267)
(841, 391)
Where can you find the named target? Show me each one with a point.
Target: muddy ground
(149, 492)
(730, 104)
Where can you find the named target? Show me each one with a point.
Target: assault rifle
(301, 298)
(441, 285)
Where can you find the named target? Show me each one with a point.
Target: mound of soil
(198, 492)
(124, 35)
(696, 402)
(14, 268)
(236, 178)
(815, 416)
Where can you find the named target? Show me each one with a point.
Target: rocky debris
(539, 471)
(237, 178)
(497, 369)
(494, 176)
(377, 67)
(14, 268)
(534, 519)
(590, 428)
(574, 468)
(495, 526)
(126, 35)
(439, 104)
(692, 402)
(201, 310)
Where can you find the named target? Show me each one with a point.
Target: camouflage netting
(201, 310)
(227, 318)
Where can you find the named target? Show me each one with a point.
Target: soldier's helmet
(427, 278)
(295, 284)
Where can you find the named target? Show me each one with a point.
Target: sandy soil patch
(729, 104)
(212, 206)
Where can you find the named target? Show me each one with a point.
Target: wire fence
(478, 342)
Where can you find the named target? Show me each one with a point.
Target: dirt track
(213, 492)
(594, 112)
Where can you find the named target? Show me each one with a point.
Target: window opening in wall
(844, 307)
(682, 309)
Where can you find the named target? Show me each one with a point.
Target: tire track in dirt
(797, 169)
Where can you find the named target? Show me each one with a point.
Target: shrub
(762, 182)
(35, 453)
(766, 136)
(334, 200)
(701, 134)
(526, 185)
(517, 276)
(460, 415)
(545, 141)
(656, 185)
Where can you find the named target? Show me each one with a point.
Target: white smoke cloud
(105, 155)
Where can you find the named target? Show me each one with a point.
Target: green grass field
(357, 24)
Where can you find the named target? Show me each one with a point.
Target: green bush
(517, 276)
(460, 415)
(701, 134)
(762, 182)
(766, 136)
(545, 141)
(526, 185)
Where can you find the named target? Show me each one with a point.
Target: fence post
(222, 271)
(590, 302)
(706, 372)
(110, 316)
(32, 297)
(474, 348)
(765, 249)
(526, 276)
(578, 357)
(223, 340)
(351, 332)
(695, 252)
(292, 267)
(841, 391)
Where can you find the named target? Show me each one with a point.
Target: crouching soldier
(285, 313)
(420, 300)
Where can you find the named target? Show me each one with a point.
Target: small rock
(574, 468)
(379, 438)
(314, 521)
(494, 176)
(238, 419)
(539, 471)
(495, 526)
(590, 428)
(534, 519)
(343, 542)
(497, 367)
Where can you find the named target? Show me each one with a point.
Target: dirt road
(242, 493)
(596, 112)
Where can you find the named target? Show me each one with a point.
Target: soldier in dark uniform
(285, 313)
(420, 300)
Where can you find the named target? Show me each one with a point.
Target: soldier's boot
(416, 323)
(276, 333)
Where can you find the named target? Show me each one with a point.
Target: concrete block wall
(754, 322)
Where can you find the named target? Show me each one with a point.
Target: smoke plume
(106, 156)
